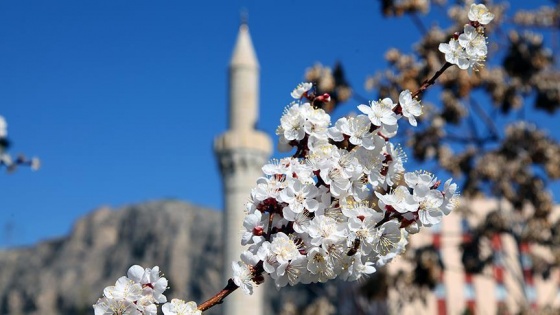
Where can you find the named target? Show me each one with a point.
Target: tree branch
(432, 80)
(219, 297)
(494, 133)
(418, 23)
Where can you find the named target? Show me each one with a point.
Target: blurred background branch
(484, 130)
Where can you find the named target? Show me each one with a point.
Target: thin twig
(418, 23)
(432, 80)
(219, 297)
(269, 232)
(485, 117)
(474, 129)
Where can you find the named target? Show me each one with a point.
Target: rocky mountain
(67, 275)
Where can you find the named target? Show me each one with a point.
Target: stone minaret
(241, 151)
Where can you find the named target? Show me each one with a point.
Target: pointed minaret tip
(244, 15)
(244, 52)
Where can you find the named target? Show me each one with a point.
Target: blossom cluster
(341, 206)
(468, 49)
(311, 217)
(138, 293)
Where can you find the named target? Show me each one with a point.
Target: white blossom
(395, 158)
(109, 306)
(303, 87)
(180, 307)
(290, 272)
(124, 289)
(357, 211)
(479, 13)
(366, 231)
(283, 248)
(242, 276)
(152, 284)
(319, 265)
(323, 228)
(455, 54)
(380, 112)
(411, 108)
(267, 188)
(292, 124)
(358, 131)
(399, 199)
(420, 182)
(450, 197)
(382, 260)
(338, 180)
(473, 42)
(361, 269)
(254, 226)
(336, 132)
(300, 221)
(429, 211)
(352, 268)
(389, 237)
(136, 293)
(316, 122)
(299, 197)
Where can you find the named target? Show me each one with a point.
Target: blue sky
(121, 100)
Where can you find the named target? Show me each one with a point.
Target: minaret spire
(244, 14)
(243, 82)
(241, 151)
